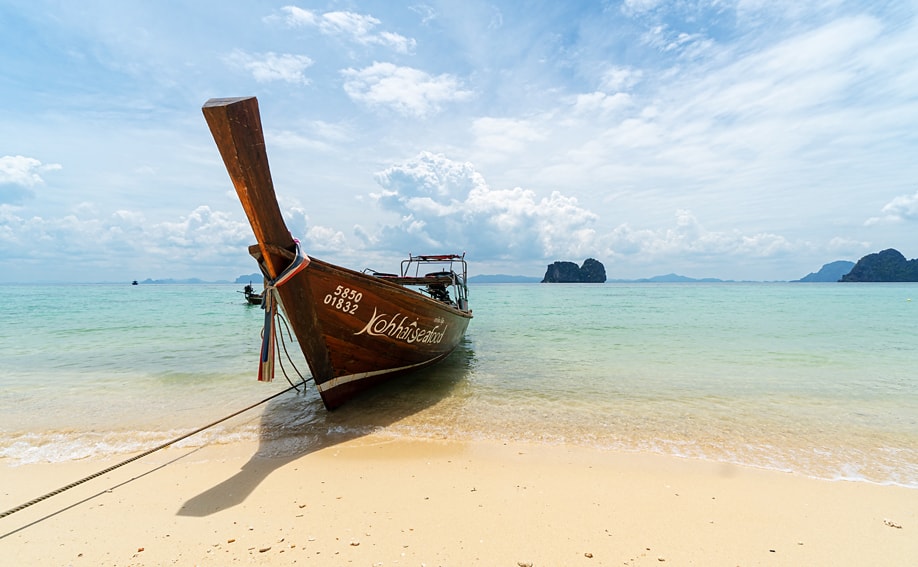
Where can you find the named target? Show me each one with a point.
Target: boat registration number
(344, 299)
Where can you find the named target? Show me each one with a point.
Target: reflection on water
(299, 423)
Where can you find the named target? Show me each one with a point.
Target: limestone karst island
(592, 271)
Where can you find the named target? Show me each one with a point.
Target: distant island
(886, 266)
(254, 278)
(673, 278)
(831, 272)
(592, 271)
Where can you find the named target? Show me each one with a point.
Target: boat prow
(355, 329)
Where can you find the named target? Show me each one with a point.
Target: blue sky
(751, 139)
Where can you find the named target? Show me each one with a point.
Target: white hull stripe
(341, 380)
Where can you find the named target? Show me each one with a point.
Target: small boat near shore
(251, 297)
(356, 329)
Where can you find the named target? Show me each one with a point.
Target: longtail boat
(251, 297)
(356, 329)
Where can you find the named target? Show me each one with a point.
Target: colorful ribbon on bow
(270, 304)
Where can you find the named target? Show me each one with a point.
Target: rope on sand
(141, 455)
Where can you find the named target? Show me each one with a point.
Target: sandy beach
(377, 501)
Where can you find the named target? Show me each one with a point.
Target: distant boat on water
(250, 296)
(356, 329)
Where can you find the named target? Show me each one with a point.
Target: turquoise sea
(817, 379)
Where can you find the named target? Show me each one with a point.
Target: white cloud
(24, 171)
(497, 137)
(663, 38)
(124, 242)
(847, 246)
(689, 241)
(761, 12)
(616, 79)
(204, 243)
(830, 47)
(296, 16)
(325, 239)
(632, 7)
(430, 176)
(358, 28)
(426, 12)
(315, 136)
(448, 205)
(902, 208)
(406, 90)
(18, 175)
(270, 66)
(313, 237)
(203, 228)
(601, 103)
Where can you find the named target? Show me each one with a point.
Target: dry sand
(374, 501)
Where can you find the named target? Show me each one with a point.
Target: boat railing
(435, 284)
(414, 263)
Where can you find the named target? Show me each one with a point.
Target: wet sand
(376, 501)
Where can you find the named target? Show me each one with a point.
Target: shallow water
(818, 379)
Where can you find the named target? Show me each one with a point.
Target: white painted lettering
(396, 327)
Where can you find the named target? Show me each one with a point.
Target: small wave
(58, 447)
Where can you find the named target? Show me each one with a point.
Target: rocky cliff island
(592, 271)
(886, 266)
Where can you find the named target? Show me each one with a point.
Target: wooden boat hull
(354, 329)
(362, 330)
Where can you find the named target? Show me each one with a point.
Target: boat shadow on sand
(297, 424)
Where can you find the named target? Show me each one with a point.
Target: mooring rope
(280, 361)
(270, 301)
(141, 455)
(265, 371)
